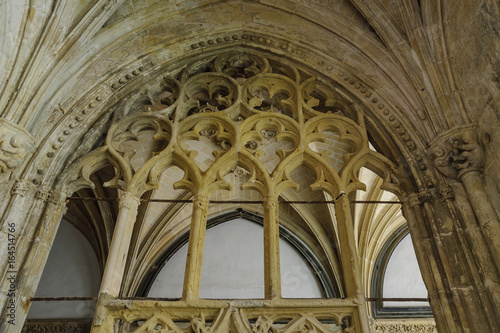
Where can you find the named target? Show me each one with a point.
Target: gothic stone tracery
(244, 107)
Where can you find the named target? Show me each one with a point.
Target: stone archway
(242, 105)
(400, 123)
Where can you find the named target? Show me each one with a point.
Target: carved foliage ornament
(458, 152)
(161, 97)
(214, 85)
(237, 320)
(404, 327)
(15, 144)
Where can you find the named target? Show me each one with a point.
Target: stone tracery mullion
(266, 94)
(338, 186)
(272, 276)
(329, 181)
(202, 185)
(275, 184)
(240, 109)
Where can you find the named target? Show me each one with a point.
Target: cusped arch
(372, 124)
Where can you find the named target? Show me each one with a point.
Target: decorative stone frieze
(458, 152)
(249, 318)
(404, 327)
(15, 144)
(55, 326)
(368, 95)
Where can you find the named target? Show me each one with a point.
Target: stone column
(458, 154)
(194, 260)
(349, 258)
(32, 250)
(485, 213)
(416, 208)
(272, 275)
(117, 258)
(120, 243)
(12, 226)
(448, 251)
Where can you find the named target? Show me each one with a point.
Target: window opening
(233, 263)
(71, 270)
(397, 275)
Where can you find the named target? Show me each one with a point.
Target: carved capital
(418, 199)
(201, 201)
(47, 194)
(270, 202)
(128, 200)
(445, 192)
(55, 196)
(458, 152)
(21, 187)
(15, 144)
(42, 193)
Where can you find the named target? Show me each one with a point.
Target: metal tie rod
(59, 299)
(238, 201)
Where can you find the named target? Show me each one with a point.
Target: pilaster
(35, 227)
(459, 154)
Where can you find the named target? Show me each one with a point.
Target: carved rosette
(15, 144)
(458, 152)
(268, 134)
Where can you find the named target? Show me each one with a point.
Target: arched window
(397, 275)
(72, 270)
(234, 131)
(233, 265)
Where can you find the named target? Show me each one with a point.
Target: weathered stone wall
(416, 69)
(473, 38)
